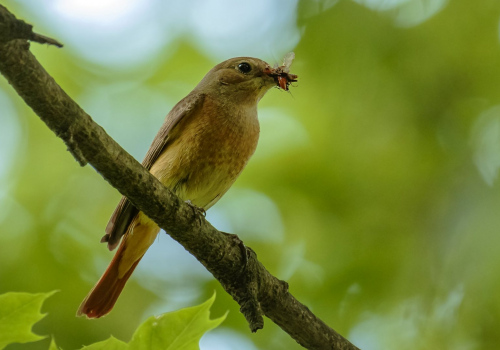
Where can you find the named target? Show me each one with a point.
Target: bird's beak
(269, 71)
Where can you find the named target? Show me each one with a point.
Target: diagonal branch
(224, 255)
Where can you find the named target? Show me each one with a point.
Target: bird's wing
(125, 211)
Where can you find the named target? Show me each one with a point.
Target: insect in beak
(281, 74)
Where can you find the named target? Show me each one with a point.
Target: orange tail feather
(134, 245)
(103, 296)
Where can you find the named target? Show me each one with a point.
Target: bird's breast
(209, 151)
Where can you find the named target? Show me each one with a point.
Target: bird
(203, 145)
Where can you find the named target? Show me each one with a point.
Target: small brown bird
(202, 147)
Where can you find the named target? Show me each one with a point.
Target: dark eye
(244, 67)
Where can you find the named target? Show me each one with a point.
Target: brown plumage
(202, 147)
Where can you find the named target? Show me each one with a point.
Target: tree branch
(224, 255)
(12, 28)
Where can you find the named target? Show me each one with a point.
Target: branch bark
(235, 266)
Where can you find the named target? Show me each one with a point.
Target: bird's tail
(103, 296)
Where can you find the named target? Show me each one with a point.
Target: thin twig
(12, 28)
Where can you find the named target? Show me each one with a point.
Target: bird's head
(244, 79)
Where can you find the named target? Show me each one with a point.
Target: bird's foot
(198, 211)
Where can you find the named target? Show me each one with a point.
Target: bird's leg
(198, 211)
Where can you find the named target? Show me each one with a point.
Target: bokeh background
(373, 191)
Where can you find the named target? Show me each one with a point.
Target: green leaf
(53, 345)
(109, 344)
(18, 313)
(178, 330)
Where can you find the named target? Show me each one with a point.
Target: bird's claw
(198, 211)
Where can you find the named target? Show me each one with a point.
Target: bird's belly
(207, 184)
(202, 172)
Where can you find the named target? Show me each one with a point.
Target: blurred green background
(373, 191)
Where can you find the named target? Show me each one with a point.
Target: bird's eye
(244, 67)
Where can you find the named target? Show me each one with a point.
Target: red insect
(283, 82)
(281, 73)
